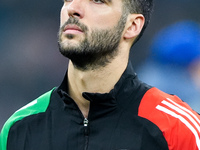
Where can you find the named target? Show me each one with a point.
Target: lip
(72, 29)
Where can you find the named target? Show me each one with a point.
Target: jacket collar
(119, 88)
(98, 97)
(126, 95)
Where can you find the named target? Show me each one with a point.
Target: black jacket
(113, 122)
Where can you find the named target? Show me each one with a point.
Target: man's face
(91, 31)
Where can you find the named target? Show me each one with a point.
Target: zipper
(86, 128)
(85, 122)
(86, 132)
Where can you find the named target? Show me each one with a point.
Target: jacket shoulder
(176, 119)
(38, 105)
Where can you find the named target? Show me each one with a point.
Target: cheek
(104, 18)
(63, 15)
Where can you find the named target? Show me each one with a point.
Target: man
(101, 104)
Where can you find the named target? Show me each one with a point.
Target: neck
(101, 80)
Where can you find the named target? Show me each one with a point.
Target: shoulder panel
(38, 105)
(176, 119)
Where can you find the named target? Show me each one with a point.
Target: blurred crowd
(167, 56)
(174, 62)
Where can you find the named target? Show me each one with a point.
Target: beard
(95, 50)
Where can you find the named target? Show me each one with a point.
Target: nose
(75, 9)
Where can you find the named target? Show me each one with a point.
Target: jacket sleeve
(37, 106)
(179, 124)
(17, 116)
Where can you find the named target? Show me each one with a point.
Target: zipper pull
(85, 122)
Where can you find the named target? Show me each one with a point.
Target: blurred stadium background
(30, 63)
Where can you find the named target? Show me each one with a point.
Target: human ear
(135, 24)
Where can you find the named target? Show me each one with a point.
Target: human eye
(98, 1)
(67, 0)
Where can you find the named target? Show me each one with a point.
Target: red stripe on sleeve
(178, 122)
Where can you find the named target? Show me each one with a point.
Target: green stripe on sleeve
(39, 105)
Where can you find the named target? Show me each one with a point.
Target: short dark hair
(144, 7)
